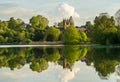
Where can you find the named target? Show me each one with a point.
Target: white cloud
(66, 10)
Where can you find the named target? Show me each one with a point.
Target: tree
(4, 25)
(88, 24)
(38, 35)
(83, 37)
(39, 22)
(71, 35)
(52, 34)
(89, 27)
(60, 24)
(104, 31)
(14, 23)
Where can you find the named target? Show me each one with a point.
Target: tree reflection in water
(104, 60)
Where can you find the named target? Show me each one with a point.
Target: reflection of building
(66, 65)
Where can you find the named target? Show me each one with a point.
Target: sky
(56, 10)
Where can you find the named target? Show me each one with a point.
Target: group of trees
(104, 30)
(73, 36)
(16, 31)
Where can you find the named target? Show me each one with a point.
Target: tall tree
(52, 34)
(71, 35)
(39, 22)
(104, 30)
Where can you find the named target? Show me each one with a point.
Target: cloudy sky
(56, 10)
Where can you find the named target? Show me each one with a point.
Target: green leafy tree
(104, 30)
(83, 37)
(90, 28)
(71, 35)
(39, 22)
(14, 23)
(4, 25)
(52, 34)
(60, 24)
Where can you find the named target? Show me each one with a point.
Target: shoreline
(47, 43)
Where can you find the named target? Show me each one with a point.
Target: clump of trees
(52, 34)
(73, 36)
(16, 31)
(104, 31)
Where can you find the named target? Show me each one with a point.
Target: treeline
(16, 31)
(103, 31)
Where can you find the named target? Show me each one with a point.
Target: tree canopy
(71, 35)
(39, 22)
(104, 31)
(52, 34)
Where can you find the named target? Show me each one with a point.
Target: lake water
(60, 64)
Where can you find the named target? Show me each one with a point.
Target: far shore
(47, 43)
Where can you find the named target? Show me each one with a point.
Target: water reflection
(104, 60)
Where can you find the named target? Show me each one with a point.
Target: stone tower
(68, 22)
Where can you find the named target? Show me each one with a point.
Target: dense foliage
(71, 35)
(15, 31)
(52, 34)
(104, 31)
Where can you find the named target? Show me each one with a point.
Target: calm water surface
(60, 64)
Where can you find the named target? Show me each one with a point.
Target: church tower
(68, 22)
